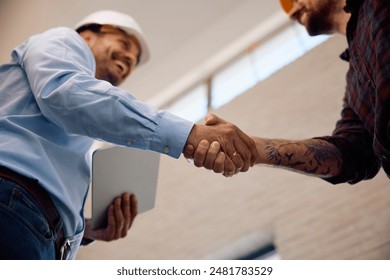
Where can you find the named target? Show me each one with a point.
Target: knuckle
(208, 165)
(217, 170)
(229, 169)
(215, 145)
(197, 163)
(214, 149)
(230, 125)
(230, 129)
(204, 144)
(245, 168)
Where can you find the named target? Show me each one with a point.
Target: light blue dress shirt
(52, 109)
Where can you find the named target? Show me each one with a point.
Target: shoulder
(62, 35)
(375, 14)
(57, 46)
(63, 41)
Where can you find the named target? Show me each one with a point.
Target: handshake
(220, 146)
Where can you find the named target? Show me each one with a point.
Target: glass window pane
(192, 105)
(283, 49)
(246, 71)
(232, 81)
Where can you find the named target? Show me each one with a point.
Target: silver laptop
(116, 170)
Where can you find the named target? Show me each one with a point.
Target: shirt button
(166, 150)
(129, 142)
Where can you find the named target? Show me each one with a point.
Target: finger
(251, 144)
(118, 217)
(200, 153)
(211, 155)
(219, 163)
(109, 231)
(134, 208)
(229, 167)
(237, 161)
(229, 147)
(244, 153)
(126, 213)
(189, 151)
(212, 119)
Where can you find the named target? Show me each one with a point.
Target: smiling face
(318, 16)
(116, 53)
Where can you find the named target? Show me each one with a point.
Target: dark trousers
(24, 230)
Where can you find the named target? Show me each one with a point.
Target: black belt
(46, 204)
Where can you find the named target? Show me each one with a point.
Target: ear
(89, 37)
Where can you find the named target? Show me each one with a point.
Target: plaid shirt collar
(352, 6)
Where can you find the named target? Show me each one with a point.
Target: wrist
(260, 146)
(193, 135)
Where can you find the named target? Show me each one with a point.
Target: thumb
(189, 151)
(212, 119)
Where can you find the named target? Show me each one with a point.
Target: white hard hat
(122, 21)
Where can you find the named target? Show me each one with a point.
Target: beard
(317, 25)
(321, 20)
(103, 72)
(106, 69)
(107, 76)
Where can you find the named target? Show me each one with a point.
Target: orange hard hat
(286, 5)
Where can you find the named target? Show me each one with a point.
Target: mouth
(122, 68)
(121, 63)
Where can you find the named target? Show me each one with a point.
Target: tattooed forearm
(273, 154)
(316, 157)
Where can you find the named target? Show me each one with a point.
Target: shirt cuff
(171, 134)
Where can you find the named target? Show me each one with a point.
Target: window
(191, 106)
(244, 72)
(232, 81)
(258, 64)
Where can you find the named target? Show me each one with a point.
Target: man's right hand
(229, 145)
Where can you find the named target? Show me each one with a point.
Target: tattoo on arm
(312, 156)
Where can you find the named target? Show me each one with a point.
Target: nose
(294, 12)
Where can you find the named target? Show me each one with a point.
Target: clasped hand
(220, 146)
(120, 216)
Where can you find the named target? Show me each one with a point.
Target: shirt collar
(353, 5)
(345, 55)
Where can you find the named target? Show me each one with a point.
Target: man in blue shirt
(58, 95)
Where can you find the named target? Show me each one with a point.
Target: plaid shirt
(363, 132)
